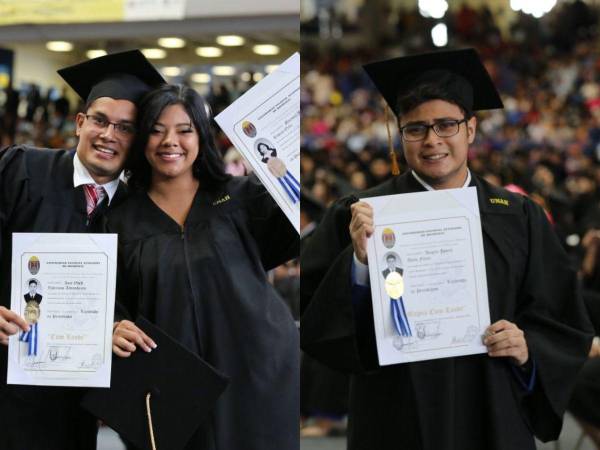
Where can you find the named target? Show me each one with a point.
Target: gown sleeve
(13, 186)
(329, 329)
(557, 328)
(277, 239)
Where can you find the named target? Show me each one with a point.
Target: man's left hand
(506, 339)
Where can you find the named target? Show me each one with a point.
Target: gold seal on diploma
(394, 285)
(32, 311)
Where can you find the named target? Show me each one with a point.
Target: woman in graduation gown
(194, 245)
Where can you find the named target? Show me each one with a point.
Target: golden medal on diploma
(32, 312)
(394, 285)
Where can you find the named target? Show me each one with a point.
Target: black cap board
(183, 388)
(459, 72)
(126, 76)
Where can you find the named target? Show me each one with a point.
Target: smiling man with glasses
(65, 191)
(436, 142)
(540, 333)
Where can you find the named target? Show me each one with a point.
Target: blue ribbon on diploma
(31, 337)
(291, 186)
(399, 317)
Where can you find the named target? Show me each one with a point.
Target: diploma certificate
(264, 125)
(427, 275)
(64, 286)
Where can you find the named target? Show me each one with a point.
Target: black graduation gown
(37, 195)
(207, 287)
(585, 401)
(586, 395)
(472, 402)
(323, 391)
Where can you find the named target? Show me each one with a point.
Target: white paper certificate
(427, 274)
(65, 285)
(264, 125)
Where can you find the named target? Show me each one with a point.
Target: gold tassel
(150, 427)
(393, 158)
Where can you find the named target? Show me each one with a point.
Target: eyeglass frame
(457, 122)
(118, 126)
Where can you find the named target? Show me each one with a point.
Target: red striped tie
(93, 195)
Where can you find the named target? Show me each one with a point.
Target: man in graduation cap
(65, 191)
(540, 333)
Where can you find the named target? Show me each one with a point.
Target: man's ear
(79, 119)
(471, 129)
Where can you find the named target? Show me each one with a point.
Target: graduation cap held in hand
(166, 393)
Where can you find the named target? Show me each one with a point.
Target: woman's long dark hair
(208, 167)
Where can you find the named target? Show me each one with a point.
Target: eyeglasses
(418, 132)
(102, 123)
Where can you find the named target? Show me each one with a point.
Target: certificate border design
(21, 309)
(393, 224)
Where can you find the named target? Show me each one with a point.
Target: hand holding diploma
(10, 323)
(361, 228)
(126, 335)
(505, 339)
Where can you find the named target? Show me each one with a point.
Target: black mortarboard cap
(126, 76)
(460, 72)
(184, 389)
